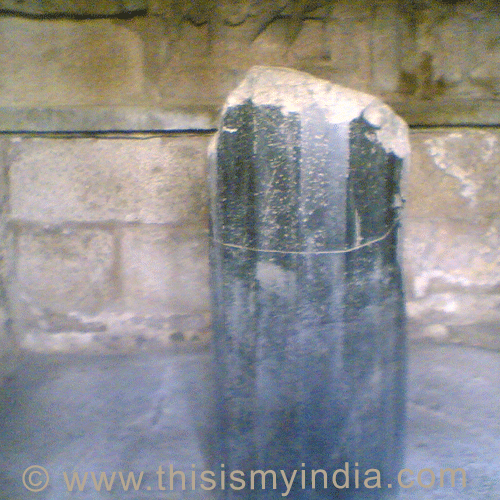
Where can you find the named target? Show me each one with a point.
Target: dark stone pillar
(308, 307)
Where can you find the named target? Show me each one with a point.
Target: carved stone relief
(422, 49)
(418, 51)
(455, 50)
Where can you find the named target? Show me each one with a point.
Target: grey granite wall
(109, 239)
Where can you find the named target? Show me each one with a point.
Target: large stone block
(165, 269)
(446, 255)
(63, 62)
(454, 174)
(60, 273)
(453, 277)
(452, 235)
(159, 180)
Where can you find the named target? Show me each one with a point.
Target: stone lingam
(307, 295)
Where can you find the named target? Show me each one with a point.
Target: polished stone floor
(136, 413)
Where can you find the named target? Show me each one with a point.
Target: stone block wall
(452, 245)
(61, 62)
(109, 238)
(103, 239)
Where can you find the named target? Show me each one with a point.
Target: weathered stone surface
(349, 62)
(452, 239)
(120, 331)
(160, 180)
(4, 214)
(308, 310)
(386, 47)
(455, 175)
(7, 346)
(451, 250)
(454, 50)
(436, 62)
(453, 275)
(458, 308)
(74, 7)
(61, 273)
(165, 269)
(86, 278)
(68, 63)
(446, 255)
(87, 119)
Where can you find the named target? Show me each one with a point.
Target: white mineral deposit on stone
(392, 130)
(423, 281)
(439, 151)
(487, 152)
(436, 331)
(273, 278)
(293, 91)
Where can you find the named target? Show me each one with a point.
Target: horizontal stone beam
(73, 7)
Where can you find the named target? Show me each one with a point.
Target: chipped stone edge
(292, 90)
